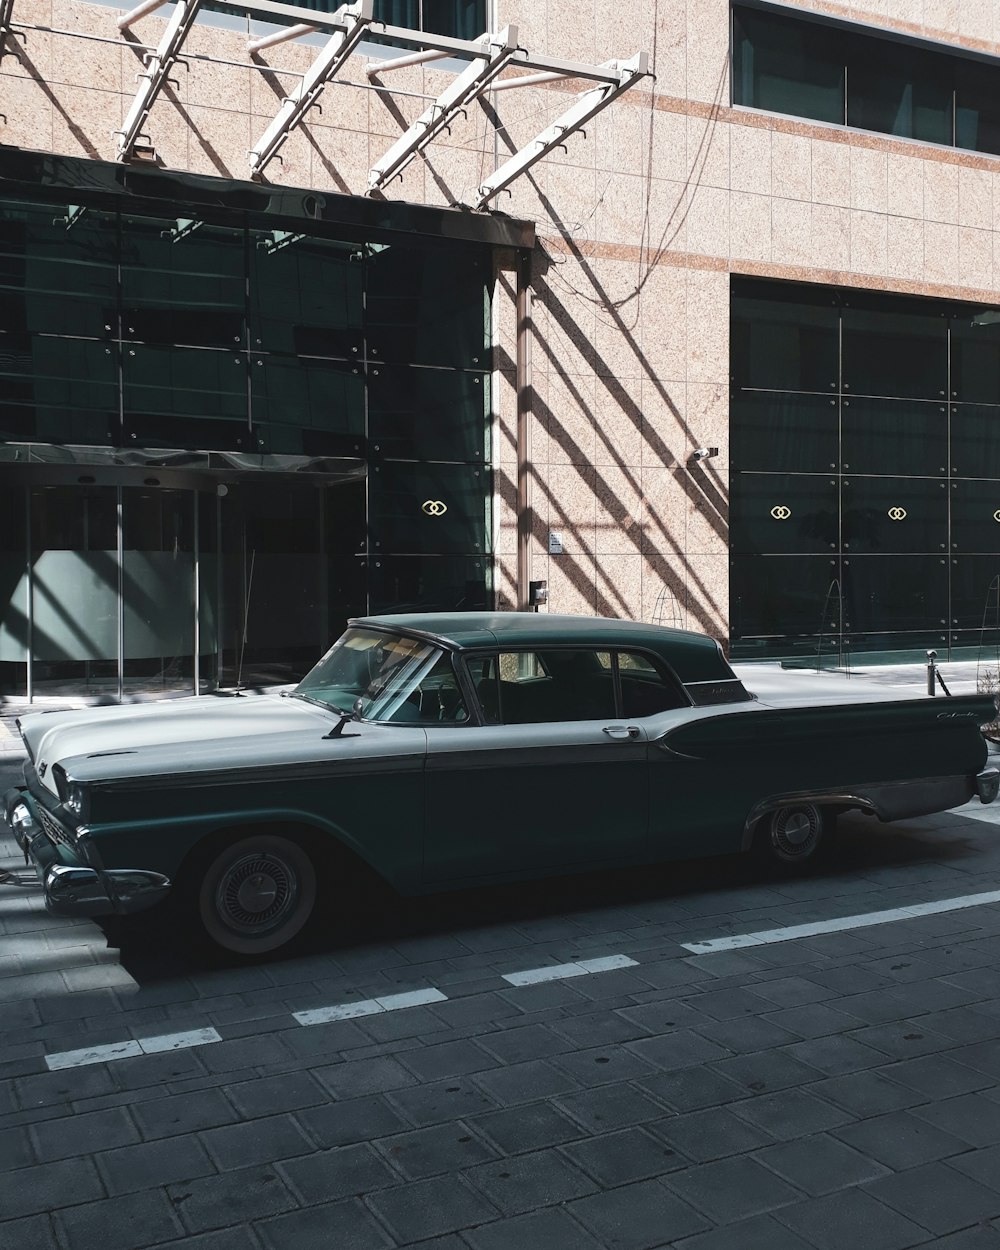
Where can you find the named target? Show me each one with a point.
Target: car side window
(646, 691)
(434, 700)
(535, 687)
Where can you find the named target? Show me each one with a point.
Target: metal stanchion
(931, 673)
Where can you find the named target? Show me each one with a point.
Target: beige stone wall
(640, 224)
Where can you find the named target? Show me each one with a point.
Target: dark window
(780, 431)
(461, 19)
(909, 508)
(809, 68)
(977, 109)
(534, 687)
(900, 91)
(644, 689)
(788, 66)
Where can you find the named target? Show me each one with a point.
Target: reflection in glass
(429, 583)
(975, 356)
(895, 350)
(307, 407)
(158, 590)
(58, 270)
(894, 436)
(975, 516)
(183, 397)
(428, 306)
(785, 337)
(419, 507)
(780, 431)
(182, 287)
(780, 513)
(56, 390)
(977, 108)
(433, 414)
(307, 297)
(788, 66)
(13, 590)
(74, 598)
(898, 593)
(775, 596)
(894, 515)
(906, 93)
(974, 603)
(975, 440)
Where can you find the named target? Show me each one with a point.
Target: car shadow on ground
(864, 857)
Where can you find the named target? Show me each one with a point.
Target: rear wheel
(795, 833)
(255, 894)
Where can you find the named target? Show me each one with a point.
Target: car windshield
(383, 670)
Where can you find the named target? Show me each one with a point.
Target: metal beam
(495, 53)
(153, 77)
(353, 21)
(140, 10)
(6, 13)
(587, 105)
(279, 36)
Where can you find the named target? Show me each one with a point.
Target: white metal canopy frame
(487, 57)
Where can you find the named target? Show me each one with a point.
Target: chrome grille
(54, 829)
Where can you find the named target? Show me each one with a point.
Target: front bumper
(71, 887)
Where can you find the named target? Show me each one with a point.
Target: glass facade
(865, 510)
(807, 68)
(324, 390)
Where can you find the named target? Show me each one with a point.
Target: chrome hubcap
(256, 892)
(795, 832)
(797, 828)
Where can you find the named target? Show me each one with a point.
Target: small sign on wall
(555, 543)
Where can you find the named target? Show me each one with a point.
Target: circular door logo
(434, 507)
(996, 515)
(780, 512)
(897, 514)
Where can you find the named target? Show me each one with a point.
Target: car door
(562, 787)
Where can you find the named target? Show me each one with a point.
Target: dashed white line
(178, 1041)
(131, 1049)
(324, 1015)
(840, 924)
(370, 1006)
(559, 972)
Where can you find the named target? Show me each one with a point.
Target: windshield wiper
(308, 698)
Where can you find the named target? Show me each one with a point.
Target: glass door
(74, 590)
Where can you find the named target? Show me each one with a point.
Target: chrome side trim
(825, 797)
(888, 800)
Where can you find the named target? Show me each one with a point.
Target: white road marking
(130, 1050)
(370, 1006)
(840, 924)
(92, 1054)
(178, 1041)
(559, 972)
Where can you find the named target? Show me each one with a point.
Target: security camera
(704, 453)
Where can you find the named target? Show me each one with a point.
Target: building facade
(290, 331)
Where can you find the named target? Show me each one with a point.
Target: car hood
(195, 735)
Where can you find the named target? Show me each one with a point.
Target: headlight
(22, 822)
(74, 799)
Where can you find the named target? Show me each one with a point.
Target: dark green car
(452, 750)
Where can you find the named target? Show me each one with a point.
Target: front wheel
(256, 894)
(794, 834)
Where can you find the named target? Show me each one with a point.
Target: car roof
(466, 630)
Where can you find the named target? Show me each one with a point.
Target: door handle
(621, 733)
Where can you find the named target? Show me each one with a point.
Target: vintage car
(451, 750)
